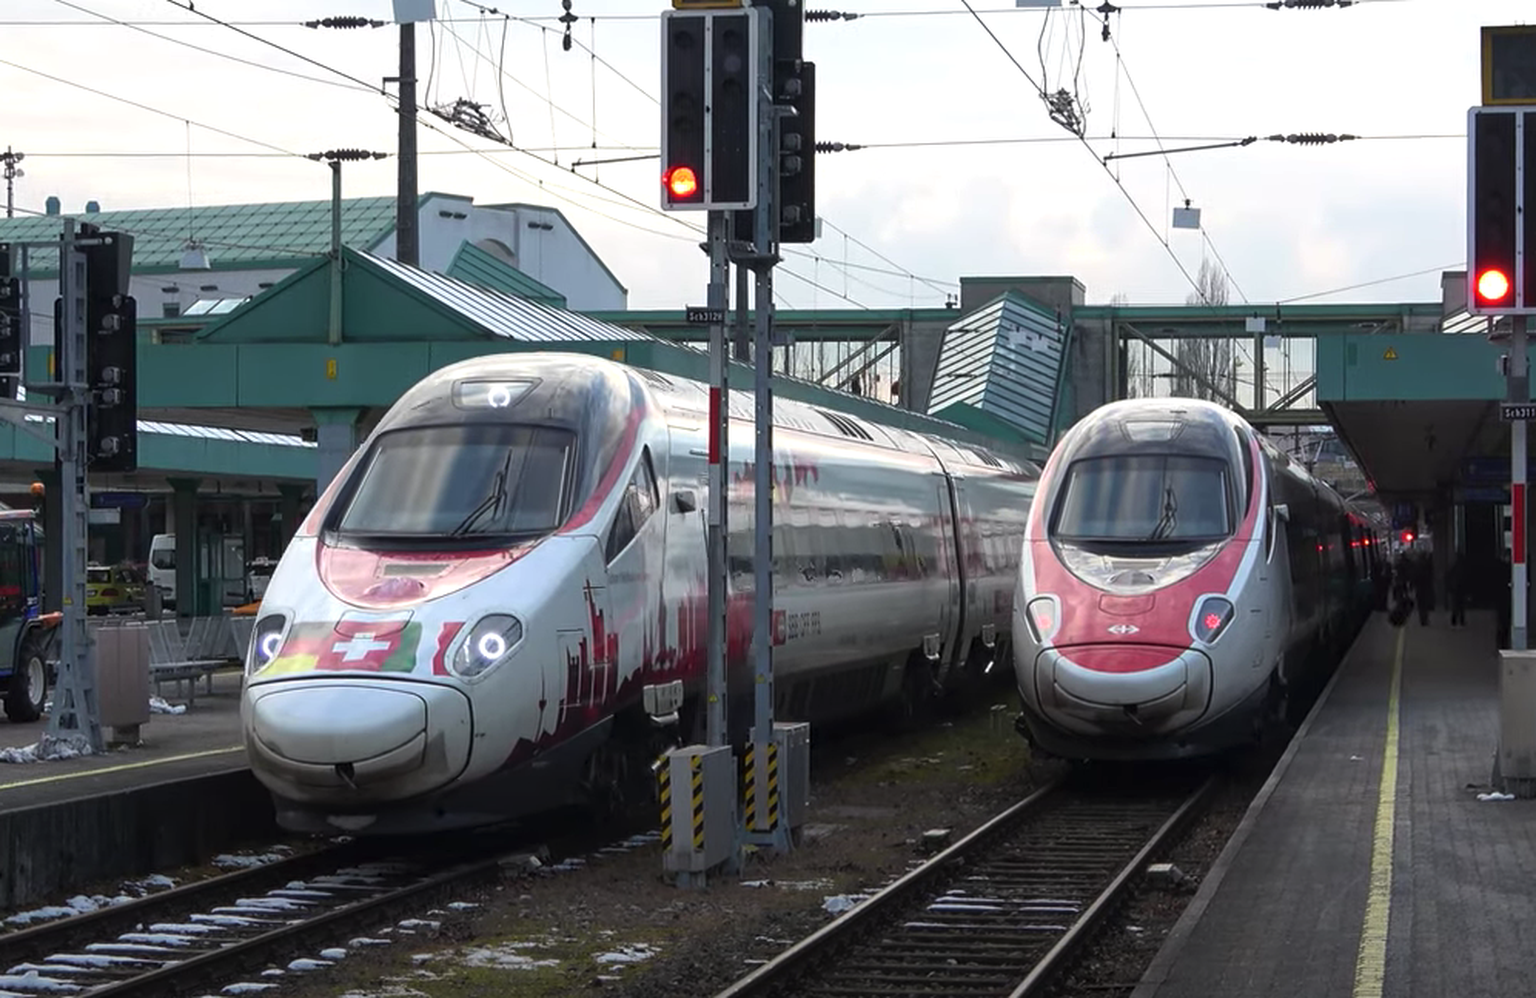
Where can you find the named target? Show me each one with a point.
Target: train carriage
(1183, 584)
(463, 627)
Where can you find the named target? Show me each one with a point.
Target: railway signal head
(710, 65)
(1501, 149)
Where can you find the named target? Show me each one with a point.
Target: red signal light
(682, 181)
(1212, 621)
(1492, 284)
(1407, 537)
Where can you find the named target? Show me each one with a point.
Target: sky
(221, 116)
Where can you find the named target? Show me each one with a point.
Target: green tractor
(27, 635)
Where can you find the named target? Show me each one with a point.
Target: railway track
(207, 934)
(999, 912)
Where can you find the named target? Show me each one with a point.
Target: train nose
(312, 738)
(1130, 690)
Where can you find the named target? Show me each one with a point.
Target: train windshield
(1145, 497)
(474, 479)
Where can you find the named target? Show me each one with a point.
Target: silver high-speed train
(462, 629)
(1183, 583)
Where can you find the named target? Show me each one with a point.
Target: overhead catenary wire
(1105, 166)
(1147, 116)
(208, 51)
(1372, 283)
(553, 106)
(152, 110)
(648, 208)
(35, 22)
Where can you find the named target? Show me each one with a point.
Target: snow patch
(235, 861)
(35, 983)
(839, 903)
(507, 956)
(305, 963)
(629, 953)
(49, 748)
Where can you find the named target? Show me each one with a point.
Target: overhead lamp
(194, 256)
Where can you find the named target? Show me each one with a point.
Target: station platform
(1340, 882)
(205, 739)
(179, 797)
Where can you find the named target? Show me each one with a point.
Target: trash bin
(122, 679)
(152, 606)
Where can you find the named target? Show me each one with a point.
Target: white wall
(538, 241)
(152, 294)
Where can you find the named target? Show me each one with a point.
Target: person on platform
(1456, 591)
(1424, 587)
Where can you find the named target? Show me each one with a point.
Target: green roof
(234, 236)
(473, 265)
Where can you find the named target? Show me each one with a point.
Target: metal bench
(177, 659)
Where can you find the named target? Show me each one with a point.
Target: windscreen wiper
(1170, 517)
(491, 504)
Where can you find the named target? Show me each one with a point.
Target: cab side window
(639, 501)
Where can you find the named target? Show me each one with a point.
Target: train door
(952, 613)
(633, 547)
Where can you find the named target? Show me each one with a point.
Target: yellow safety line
(1371, 963)
(119, 769)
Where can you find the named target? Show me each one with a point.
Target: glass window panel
(481, 478)
(1144, 498)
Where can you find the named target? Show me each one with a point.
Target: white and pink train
(463, 627)
(1182, 583)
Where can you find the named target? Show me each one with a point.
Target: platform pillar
(336, 434)
(290, 497)
(183, 523)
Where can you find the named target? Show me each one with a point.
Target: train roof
(1204, 410)
(686, 396)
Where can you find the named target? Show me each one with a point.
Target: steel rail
(213, 965)
(21, 945)
(1099, 911)
(789, 970)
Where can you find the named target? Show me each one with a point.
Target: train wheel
(914, 708)
(606, 782)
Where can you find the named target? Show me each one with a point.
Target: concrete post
(183, 523)
(290, 498)
(336, 433)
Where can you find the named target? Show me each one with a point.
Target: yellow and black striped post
(664, 776)
(749, 790)
(696, 786)
(766, 818)
(773, 787)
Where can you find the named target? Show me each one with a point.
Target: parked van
(225, 562)
(162, 567)
(258, 572)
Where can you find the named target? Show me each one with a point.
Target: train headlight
(488, 644)
(266, 642)
(1212, 618)
(1043, 614)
